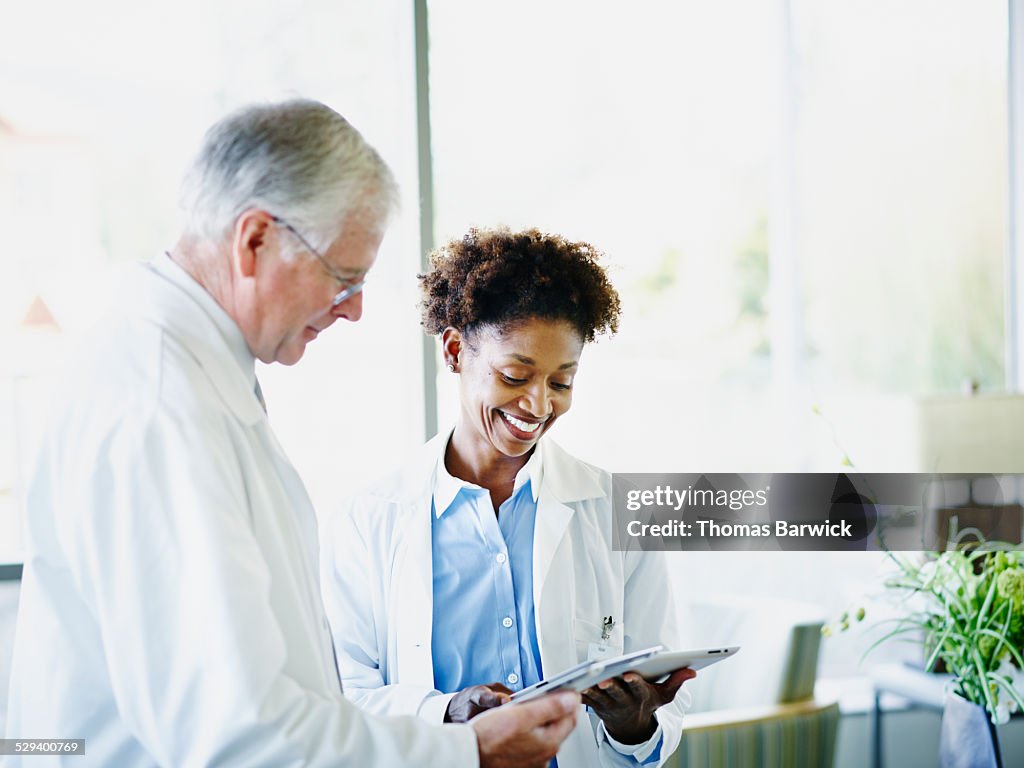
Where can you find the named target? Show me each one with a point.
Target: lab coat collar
(557, 475)
(447, 487)
(186, 312)
(568, 480)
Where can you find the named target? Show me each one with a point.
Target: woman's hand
(470, 702)
(626, 704)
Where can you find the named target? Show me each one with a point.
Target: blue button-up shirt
(484, 627)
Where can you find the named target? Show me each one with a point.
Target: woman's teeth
(525, 426)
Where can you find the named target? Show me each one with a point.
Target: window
(800, 201)
(93, 141)
(643, 133)
(901, 193)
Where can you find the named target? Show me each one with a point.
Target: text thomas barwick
(713, 529)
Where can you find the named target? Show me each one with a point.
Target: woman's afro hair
(498, 277)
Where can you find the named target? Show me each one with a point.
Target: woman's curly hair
(496, 277)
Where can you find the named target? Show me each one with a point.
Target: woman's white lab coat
(381, 540)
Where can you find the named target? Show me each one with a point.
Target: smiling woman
(488, 558)
(513, 312)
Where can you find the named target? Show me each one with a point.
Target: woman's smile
(521, 428)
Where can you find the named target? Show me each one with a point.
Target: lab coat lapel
(413, 583)
(553, 583)
(553, 517)
(567, 481)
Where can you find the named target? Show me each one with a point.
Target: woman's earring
(451, 367)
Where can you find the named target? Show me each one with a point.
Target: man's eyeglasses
(351, 287)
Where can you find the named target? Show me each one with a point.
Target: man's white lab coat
(170, 610)
(377, 580)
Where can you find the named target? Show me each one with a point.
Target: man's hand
(470, 702)
(626, 704)
(526, 735)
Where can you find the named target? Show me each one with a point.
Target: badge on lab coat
(601, 649)
(598, 651)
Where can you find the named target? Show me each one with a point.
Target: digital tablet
(652, 663)
(657, 668)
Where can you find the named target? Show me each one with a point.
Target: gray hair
(299, 160)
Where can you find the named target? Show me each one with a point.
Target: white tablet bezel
(658, 667)
(651, 663)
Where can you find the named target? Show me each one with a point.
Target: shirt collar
(532, 472)
(447, 487)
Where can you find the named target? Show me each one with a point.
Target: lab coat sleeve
(353, 577)
(162, 547)
(648, 622)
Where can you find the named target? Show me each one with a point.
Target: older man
(170, 613)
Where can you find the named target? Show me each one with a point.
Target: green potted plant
(966, 606)
(969, 605)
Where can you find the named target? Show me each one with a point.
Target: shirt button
(506, 622)
(513, 678)
(501, 557)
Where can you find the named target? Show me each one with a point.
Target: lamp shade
(970, 434)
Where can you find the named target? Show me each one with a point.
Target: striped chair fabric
(796, 732)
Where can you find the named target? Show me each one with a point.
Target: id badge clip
(602, 650)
